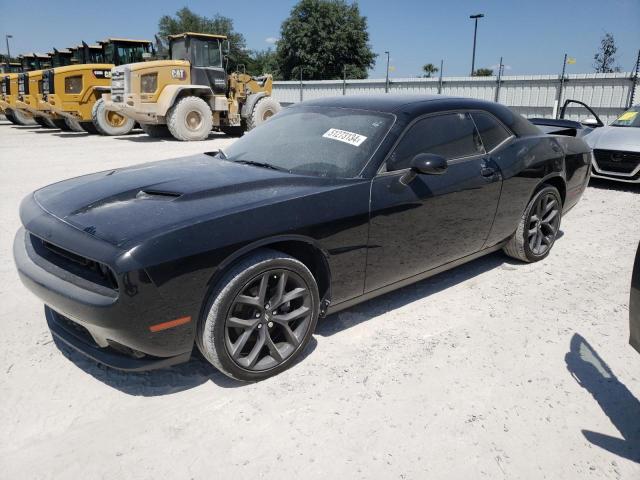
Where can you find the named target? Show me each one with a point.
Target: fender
(252, 99)
(170, 93)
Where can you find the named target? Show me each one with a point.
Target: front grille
(117, 85)
(617, 161)
(47, 83)
(85, 268)
(23, 84)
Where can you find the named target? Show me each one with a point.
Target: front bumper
(115, 322)
(133, 107)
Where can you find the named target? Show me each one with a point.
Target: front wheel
(44, 122)
(260, 317)
(190, 119)
(108, 122)
(538, 227)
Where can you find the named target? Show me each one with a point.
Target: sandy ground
(493, 370)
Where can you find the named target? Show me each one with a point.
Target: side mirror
(226, 47)
(590, 122)
(425, 164)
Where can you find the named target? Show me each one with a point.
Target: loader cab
(121, 51)
(34, 61)
(205, 54)
(86, 54)
(12, 67)
(61, 58)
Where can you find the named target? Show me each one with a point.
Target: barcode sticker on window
(351, 138)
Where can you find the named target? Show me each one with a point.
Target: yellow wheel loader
(191, 94)
(14, 85)
(75, 91)
(5, 70)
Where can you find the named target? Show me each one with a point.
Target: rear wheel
(73, 125)
(260, 317)
(538, 227)
(155, 131)
(44, 122)
(9, 116)
(266, 108)
(108, 122)
(190, 119)
(61, 124)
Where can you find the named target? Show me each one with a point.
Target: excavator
(74, 91)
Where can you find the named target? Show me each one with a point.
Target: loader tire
(22, 119)
(155, 131)
(263, 110)
(89, 127)
(74, 125)
(190, 119)
(108, 122)
(44, 122)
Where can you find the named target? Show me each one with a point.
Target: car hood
(123, 205)
(615, 138)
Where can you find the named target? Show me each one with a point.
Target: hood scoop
(150, 194)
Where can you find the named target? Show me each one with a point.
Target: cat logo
(178, 73)
(102, 73)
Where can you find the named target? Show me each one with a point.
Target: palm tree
(429, 69)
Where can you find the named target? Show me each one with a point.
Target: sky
(532, 35)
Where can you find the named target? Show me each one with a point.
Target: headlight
(149, 83)
(73, 84)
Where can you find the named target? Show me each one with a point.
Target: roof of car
(412, 106)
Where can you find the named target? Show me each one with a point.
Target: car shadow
(198, 371)
(353, 316)
(604, 184)
(614, 398)
(165, 381)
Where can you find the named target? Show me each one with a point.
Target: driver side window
(452, 135)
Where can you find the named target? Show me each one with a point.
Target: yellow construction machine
(191, 93)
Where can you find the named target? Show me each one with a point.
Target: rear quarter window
(491, 131)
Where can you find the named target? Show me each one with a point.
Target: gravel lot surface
(496, 369)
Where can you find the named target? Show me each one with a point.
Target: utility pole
(440, 79)
(475, 34)
(500, 67)
(634, 81)
(344, 80)
(301, 84)
(386, 83)
(7, 37)
(564, 68)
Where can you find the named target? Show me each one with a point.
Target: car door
(206, 68)
(434, 219)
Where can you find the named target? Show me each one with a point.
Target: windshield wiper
(262, 164)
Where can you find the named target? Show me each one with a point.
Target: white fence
(531, 95)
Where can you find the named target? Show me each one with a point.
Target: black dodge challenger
(330, 203)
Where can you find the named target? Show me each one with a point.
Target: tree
(604, 59)
(483, 72)
(429, 69)
(187, 21)
(265, 61)
(324, 37)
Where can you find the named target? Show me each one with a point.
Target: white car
(616, 148)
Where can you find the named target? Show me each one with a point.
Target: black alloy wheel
(544, 222)
(268, 320)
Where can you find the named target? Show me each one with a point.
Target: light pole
(7, 37)
(386, 83)
(475, 33)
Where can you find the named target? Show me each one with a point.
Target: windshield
(179, 50)
(320, 141)
(630, 118)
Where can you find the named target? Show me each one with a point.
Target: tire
(110, 123)
(44, 122)
(155, 131)
(263, 110)
(190, 119)
(9, 116)
(22, 119)
(538, 227)
(74, 125)
(232, 131)
(89, 127)
(61, 124)
(214, 336)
